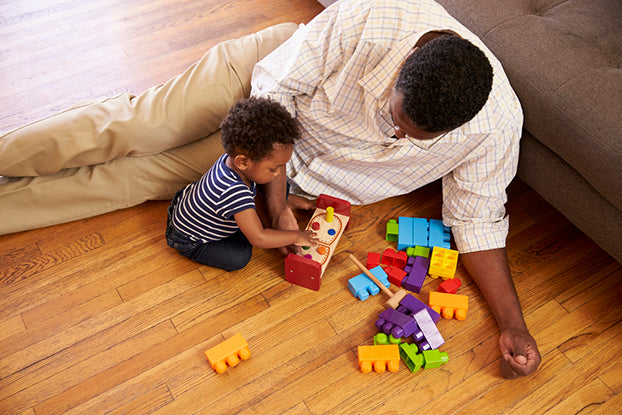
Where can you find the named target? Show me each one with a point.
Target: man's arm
(490, 271)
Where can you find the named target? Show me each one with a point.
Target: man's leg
(80, 192)
(180, 111)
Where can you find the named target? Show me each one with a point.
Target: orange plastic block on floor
(449, 305)
(379, 357)
(443, 263)
(228, 353)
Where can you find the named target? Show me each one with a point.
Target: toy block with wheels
(228, 353)
(443, 263)
(329, 222)
(379, 358)
(449, 305)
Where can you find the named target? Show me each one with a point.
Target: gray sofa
(564, 60)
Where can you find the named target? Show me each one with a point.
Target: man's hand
(519, 354)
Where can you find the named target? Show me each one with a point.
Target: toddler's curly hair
(254, 125)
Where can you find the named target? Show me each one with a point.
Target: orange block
(229, 352)
(449, 305)
(380, 357)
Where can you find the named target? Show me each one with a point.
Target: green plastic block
(392, 230)
(412, 359)
(434, 358)
(382, 338)
(418, 251)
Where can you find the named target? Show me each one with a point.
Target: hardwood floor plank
(587, 399)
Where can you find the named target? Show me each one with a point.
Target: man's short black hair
(254, 125)
(444, 83)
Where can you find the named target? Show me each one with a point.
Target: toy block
(392, 230)
(439, 235)
(397, 259)
(449, 286)
(229, 352)
(394, 299)
(405, 233)
(382, 338)
(416, 273)
(411, 305)
(379, 357)
(373, 260)
(428, 332)
(396, 275)
(443, 263)
(362, 286)
(449, 305)
(396, 323)
(410, 357)
(307, 270)
(434, 358)
(418, 251)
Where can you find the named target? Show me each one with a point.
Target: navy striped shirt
(205, 209)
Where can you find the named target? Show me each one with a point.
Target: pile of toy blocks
(407, 269)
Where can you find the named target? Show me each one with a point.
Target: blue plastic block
(362, 287)
(421, 228)
(405, 233)
(440, 234)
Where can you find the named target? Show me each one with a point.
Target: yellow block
(443, 263)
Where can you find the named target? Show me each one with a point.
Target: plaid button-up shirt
(335, 73)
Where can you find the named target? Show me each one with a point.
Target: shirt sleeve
(474, 194)
(302, 63)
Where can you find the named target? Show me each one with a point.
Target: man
(390, 95)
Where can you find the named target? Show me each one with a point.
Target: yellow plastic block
(449, 305)
(379, 357)
(229, 352)
(443, 263)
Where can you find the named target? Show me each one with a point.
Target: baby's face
(265, 170)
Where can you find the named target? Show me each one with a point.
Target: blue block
(405, 233)
(439, 234)
(362, 287)
(420, 232)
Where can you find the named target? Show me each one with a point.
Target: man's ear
(241, 162)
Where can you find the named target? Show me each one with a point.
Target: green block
(412, 359)
(382, 338)
(418, 251)
(392, 230)
(434, 358)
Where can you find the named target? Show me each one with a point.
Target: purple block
(416, 274)
(410, 305)
(433, 338)
(395, 323)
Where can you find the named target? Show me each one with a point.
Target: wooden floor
(100, 316)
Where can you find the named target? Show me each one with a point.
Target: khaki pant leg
(72, 194)
(182, 110)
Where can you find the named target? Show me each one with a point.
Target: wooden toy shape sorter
(329, 221)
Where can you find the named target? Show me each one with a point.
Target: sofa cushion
(563, 59)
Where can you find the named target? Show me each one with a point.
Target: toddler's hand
(307, 238)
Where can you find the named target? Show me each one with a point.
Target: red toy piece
(373, 260)
(397, 259)
(396, 275)
(449, 286)
(307, 272)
